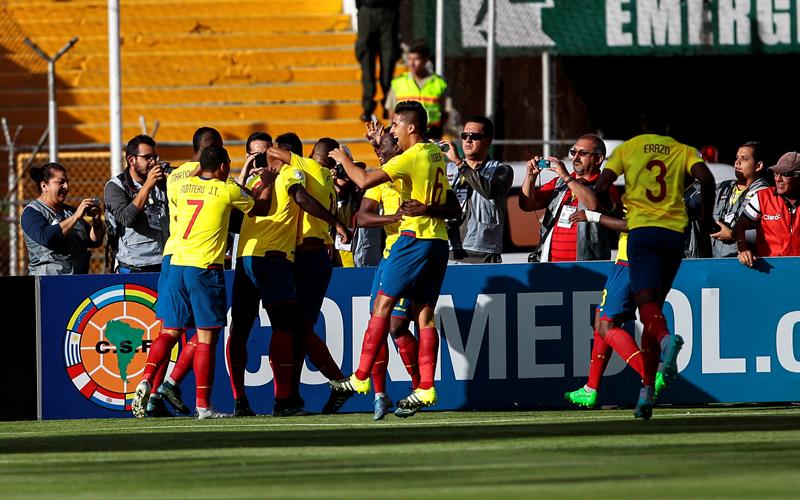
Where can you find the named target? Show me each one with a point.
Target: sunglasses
(582, 153)
(474, 136)
(789, 175)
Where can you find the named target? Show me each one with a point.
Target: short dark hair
(420, 47)
(758, 150)
(199, 134)
(212, 157)
(257, 136)
(290, 142)
(413, 113)
(329, 143)
(488, 126)
(132, 148)
(599, 143)
(45, 172)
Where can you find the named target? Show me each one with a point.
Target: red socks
(317, 351)
(281, 359)
(158, 354)
(601, 354)
(379, 368)
(374, 338)
(428, 355)
(408, 348)
(624, 345)
(204, 373)
(655, 329)
(184, 363)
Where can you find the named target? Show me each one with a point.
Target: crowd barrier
(513, 336)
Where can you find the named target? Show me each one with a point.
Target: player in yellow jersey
(381, 207)
(418, 259)
(312, 268)
(196, 284)
(656, 168)
(170, 388)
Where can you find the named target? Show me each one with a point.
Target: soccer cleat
(156, 407)
(644, 407)
(415, 401)
(172, 393)
(241, 408)
(204, 413)
(382, 405)
(660, 384)
(140, 399)
(670, 371)
(289, 407)
(582, 397)
(351, 384)
(336, 400)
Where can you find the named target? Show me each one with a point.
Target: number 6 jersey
(655, 168)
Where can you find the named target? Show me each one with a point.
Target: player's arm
(708, 189)
(362, 178)
(607, 221)
(368, 215)
(314, 208)
(449, 210)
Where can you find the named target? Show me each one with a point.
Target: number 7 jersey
(655, 168)
(203, 210)
(423, 173)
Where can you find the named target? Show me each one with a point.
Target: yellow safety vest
(405, 89)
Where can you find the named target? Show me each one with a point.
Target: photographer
(57, 235)
(481, 184)
(562, 240)
(138, 214)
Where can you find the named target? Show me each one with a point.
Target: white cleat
(204, 413)
(140, 399)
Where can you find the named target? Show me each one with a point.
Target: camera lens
(260, 160)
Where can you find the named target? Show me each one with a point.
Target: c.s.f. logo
(106, 343)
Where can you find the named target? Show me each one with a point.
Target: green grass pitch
(682, 452)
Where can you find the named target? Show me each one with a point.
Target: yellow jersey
(319, 184)
(177, 176)
(388, 196)
(655, 169)
(421, 168)
(622, 248)
(278, 230)
(203, 211)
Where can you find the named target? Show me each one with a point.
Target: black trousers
(378, 36)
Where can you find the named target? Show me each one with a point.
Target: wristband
(592, 216)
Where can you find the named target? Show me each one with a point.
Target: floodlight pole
(52, 110)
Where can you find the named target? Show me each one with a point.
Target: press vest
(405, 89)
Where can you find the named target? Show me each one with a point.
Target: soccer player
(196, 287)
(381, 207)
(615, 309)
(170, 388)
(656, 167)
(418, 260)
(312, 263)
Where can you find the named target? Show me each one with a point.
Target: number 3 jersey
(423, 172)
(655, 169)
(203, 210)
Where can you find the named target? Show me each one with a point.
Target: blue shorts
(401, 309)
(312, 274)
(163, 279)
(618, 304)
(415, 269)
(269, 279)
(198, 292)
(654, 254)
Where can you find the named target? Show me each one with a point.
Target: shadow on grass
(216, 437)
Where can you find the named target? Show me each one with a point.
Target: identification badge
(345, 247)
(566, 212)
(728, 219)
(153, 213)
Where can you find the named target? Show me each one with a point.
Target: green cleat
(351, 384)
(660, 384)
(582, 397)
(172, 393)
(156, 407)
(381, 407)
(671, 358)
(415, 401)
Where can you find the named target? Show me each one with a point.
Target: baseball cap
(787, 163)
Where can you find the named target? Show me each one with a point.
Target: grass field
(681, 452)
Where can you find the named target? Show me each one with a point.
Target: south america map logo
(106, 343)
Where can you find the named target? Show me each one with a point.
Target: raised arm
(364, 179)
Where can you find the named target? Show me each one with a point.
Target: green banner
(625, 27)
